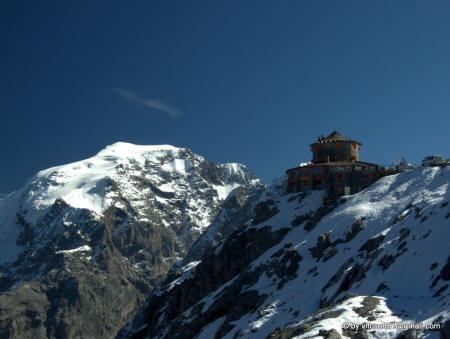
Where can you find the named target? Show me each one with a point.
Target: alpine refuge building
(335, 166)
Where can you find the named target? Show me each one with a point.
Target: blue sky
(235, 81)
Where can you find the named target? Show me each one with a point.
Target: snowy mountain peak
(113, 155)
(142, 176)
(113, 225)
(124, 150)
(122, 147)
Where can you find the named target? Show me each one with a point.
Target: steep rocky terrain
(82, 245)
(371, 265)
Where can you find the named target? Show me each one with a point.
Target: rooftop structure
(335, 166)
(335, 147)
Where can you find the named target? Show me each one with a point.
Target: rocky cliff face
(372, 265)
(84, 244)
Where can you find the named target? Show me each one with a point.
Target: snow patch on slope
(81, 184)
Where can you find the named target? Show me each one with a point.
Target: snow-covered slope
(123, 216)
(81, 184)
(313, 267)
(168, 171)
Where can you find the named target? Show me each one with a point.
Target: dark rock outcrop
(445, 330)
(372, 243)
(215, 269)
(86, 273)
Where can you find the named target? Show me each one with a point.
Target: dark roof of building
(335, 163)
(334, 137)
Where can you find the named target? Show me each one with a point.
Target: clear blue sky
(235, 81)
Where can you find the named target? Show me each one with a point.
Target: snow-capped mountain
(82, 245)
(369, 265)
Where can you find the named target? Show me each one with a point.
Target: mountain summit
(83, 244)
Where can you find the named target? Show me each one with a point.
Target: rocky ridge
(84, 244)
(307, 266)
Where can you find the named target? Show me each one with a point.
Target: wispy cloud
(149, 103)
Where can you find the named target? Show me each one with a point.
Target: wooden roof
(335, 137)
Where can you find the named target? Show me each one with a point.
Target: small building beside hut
(336, 167)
